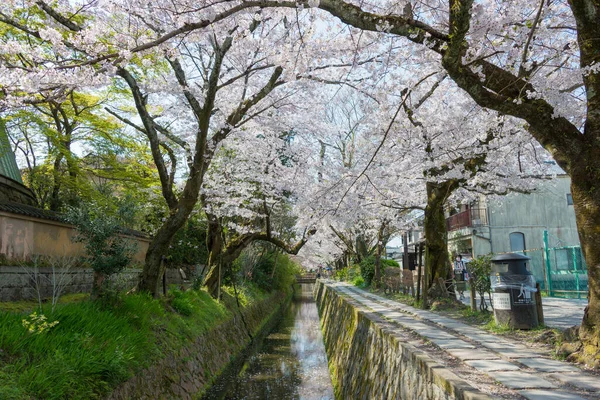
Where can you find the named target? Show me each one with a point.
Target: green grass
(97, 345)
(31, 305)
(476, 317)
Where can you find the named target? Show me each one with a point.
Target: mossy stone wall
(369, 359)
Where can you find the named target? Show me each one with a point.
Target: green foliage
(36, 324)
(480, 269)
(181, 303)
(263, 266)
(476, 317)
(95, 347)
(107, 252)
(189, 244)
(367, 268)
(342, 274)
(275, 271)
(390, 263)
(492, 326)
(358, 281)
(348, 273)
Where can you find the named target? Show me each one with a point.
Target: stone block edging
(370, 358)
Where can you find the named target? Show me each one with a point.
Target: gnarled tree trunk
(585, 189)
(436, 233)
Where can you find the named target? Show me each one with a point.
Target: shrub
(342, 274)
(358, 281)
(388, 262)
(106, 251)
(480, 269)
(188, 247)
(272, 271)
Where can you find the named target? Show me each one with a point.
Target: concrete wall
(22, 237)
(530, 214)
(545, 209)
(368, 359)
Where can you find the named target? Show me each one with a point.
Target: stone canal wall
(368, 360)
(189, 372)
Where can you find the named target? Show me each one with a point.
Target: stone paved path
(558, 313)
(529, 372)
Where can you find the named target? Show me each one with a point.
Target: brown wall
(22, 237)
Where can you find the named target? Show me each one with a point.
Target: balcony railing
(468, 218)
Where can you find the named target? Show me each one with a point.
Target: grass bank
(85, 348)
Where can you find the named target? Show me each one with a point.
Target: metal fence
(560, 271)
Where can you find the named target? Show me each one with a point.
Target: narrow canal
(291, 364)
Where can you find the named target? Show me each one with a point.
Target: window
(569, 199)
(517, 241)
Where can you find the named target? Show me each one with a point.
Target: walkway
(558, 313)
(481, 358)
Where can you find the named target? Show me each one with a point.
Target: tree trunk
(154, 269)
(585, 189)
(98, 285)
(436, 234)
(377, 277)
(214, 242)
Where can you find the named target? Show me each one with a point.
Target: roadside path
(558, 313)
(522, 371)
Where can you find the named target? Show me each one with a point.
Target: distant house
(516, 223)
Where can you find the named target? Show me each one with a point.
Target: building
(11, 184)
(521, 222)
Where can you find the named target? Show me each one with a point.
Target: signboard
(502, 301)
(523, 296)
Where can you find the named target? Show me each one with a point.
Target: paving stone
(459, 326)
(517, 352)
(479, 337)
(473, 354)
(582, 381)
(547, 365)
(436, 334)
(492, 365)
(499, 344)
(452, 344)
(521, 380)
(548, 395)
(419, 327)
(509, 350)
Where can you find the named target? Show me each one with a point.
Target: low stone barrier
(369, 359)
(24, 282)
(189, 372)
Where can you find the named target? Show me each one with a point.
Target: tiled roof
(8, 164)
(30, 211)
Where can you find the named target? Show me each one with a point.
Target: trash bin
(513, 289)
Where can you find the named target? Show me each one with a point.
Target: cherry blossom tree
(536, 61)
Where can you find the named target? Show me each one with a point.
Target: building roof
(8, 164)
(30, 211)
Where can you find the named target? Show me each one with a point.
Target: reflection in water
(291, 363)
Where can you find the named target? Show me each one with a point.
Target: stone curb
(436, 373)
(569, 375)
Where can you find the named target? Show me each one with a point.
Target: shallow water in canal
(291, 364)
